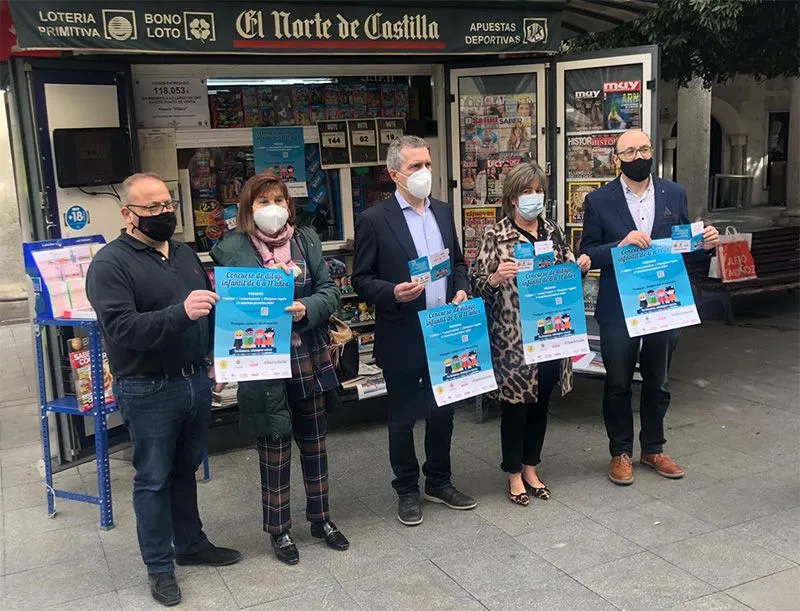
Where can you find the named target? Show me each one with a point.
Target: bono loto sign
(284, 27)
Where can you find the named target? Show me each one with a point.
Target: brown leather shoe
(621, 470)
(663, 464)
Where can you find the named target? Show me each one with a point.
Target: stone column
(13, 292)
(738, 158)
(694, 145)
(668, 147)
(791, 216)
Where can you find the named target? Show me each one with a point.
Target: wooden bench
(776, 254)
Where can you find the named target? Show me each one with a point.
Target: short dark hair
(263, 183)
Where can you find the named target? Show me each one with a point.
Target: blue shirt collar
(404, 203)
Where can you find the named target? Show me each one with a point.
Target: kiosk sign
(283, 27)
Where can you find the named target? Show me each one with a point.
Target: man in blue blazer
(408, 225)
(633, 209)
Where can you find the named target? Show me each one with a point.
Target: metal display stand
(68, 404)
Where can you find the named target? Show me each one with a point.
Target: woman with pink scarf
(273, 411)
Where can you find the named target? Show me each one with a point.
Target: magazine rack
(69, 405)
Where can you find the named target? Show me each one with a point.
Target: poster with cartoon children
(457, 347)
(654, 288)
(552, 313)
(252, 329)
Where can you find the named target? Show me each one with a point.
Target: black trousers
(523, 425)
(408, 401)
(619, 357)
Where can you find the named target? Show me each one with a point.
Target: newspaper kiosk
(192, 86)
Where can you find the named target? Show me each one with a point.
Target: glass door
(598, 98)
(497, 119)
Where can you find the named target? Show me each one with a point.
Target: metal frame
(68, 405)
(647, 57)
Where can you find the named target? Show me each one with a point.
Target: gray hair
(394, 157)
(516, 181)
(128, 183)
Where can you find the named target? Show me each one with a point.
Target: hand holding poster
(552, 313)
(457, 346)
(654, 288)
(252, 329)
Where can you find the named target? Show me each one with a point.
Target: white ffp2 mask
(271, 219)
(419, 183)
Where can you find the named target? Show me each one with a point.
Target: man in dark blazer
(634, 209)
(408, 225)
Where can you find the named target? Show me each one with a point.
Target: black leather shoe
(332, 535)
(285, 549)
(210, 555)
(409, 510)
(165, 589)
(451, 497)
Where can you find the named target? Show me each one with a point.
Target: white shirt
(427, 240)
(643, 208)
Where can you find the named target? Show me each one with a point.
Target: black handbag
(343, 350)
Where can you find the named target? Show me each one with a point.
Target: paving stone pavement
(726, 537)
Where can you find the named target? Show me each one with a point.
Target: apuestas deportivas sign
(282, 27)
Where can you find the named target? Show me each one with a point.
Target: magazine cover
(514, 134)
(585, 111)
(590, 156)
(265, 106)
(476, 220)
(521, 105)
(576, 193)
(497, 168)
(494, 105)
(622, 104)
(484, 135)
(226, 110)
(80, 364)
(283, 105)
(469, 107)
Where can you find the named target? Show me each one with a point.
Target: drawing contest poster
(282, 150)
(252, 330)
(457, 346)
(552, 313)
(654, 288)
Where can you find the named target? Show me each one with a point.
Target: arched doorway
(714, 156)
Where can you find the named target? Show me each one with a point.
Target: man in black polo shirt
(154, 304)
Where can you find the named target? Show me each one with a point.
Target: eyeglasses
(155, 208)
(630, 153)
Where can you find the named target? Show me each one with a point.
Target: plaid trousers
(275, 461)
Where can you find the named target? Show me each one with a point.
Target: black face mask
(159, 228)
(637, 170)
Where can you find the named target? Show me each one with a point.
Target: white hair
(394, 156)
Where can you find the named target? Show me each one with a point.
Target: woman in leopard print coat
(524, 390)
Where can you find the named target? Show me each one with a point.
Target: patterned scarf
(275, 249)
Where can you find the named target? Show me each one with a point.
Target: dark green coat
(263, 404)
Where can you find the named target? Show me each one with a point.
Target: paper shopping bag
(734, 259)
